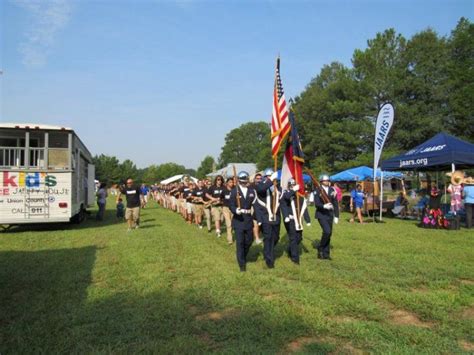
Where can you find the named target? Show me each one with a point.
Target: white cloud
(48, 17)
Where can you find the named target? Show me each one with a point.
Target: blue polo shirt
(468, 193)
(358, 198)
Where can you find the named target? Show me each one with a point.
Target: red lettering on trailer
(9, 180)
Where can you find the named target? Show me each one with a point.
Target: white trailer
(46, 175)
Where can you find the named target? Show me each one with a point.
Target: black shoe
(327, 257)
(243, 268)
(320, 256)
(271, 266)
(296, 262)
(209, 231)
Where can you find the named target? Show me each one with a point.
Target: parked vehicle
(46, 174)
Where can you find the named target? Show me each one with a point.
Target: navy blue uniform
(325, 218)
(270, 222)
(243, 223)
(293, 227)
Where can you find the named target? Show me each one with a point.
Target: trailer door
(90, 184)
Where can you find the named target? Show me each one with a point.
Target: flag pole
(274, 194)
(297, 197)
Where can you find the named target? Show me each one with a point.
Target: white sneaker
(200, 227)
(129, 230)
(258, 241)
(137, 226)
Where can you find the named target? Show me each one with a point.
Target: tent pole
(453, 167)
(373, 196)
(381, 193)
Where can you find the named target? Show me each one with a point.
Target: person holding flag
(294, 204)
(268, 197)
(293, 220)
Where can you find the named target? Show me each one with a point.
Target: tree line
(428, 78)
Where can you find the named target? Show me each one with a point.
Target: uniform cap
(243, 176)
(324, 177)
(268, 172)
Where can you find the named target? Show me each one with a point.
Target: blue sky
(159, 81)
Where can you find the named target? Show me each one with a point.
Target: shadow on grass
(39, 295)
(50, 304)
(110, 218)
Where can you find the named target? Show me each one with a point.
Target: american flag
(280, 122)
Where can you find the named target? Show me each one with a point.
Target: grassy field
(169, 287)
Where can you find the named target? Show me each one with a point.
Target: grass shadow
(50, 305)
(40, 292)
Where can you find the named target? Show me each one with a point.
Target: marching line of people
(252, 208)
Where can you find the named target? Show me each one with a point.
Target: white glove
(308, 224)
(328, 206)
(274, 176)
(287, 219)
(238, 211)
(296, 188)
(336, 220)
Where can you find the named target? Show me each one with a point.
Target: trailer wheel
(5, 227)
(80, 216)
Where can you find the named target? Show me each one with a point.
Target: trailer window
(58, 140)
(58, 152)
(8, 142)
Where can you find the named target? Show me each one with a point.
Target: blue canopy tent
(363, 173)
(441, 152)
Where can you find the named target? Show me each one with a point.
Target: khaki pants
(198, 210)
(132, 214)
(228, 222)
(207, 213)
(216, 213)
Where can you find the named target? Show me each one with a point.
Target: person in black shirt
(207, 204)
(214, 194)
(132, 212)
(198, 201)
(188, 196)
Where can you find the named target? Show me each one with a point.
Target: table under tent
(365, 175)
(440, 154)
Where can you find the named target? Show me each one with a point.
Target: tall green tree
(460, 70)
(107, 169)
(207, 165)
(151, 174)
(332, 119)
(421, 104)
(128, 170)
(249, 143)
(167, 170)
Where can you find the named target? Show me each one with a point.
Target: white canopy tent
(175, 178)
(228, 171)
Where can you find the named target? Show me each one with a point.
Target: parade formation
(250, 208)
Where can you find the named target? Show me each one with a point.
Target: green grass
(170, 288)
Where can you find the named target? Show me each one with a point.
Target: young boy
(120, 208)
